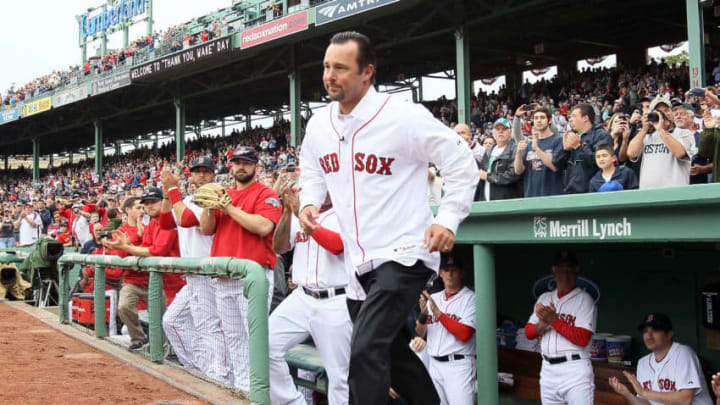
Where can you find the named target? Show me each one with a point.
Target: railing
(256, 288)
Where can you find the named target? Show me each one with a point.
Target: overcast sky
(45, 33)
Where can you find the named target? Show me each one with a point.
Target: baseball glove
(213, 196)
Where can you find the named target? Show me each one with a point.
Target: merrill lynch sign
(583, 228)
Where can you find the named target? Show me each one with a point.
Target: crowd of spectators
(543, 139)
(558, 125)
(173, 39)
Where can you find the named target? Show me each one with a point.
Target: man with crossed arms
(316, 307)
(191, 323)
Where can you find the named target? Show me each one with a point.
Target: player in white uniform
(315, 308)
(565, 320)
(191, 323)
(371, 151)
(670, 374)
(447, 322)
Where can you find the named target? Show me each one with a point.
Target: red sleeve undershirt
(577, 335)
(458, 329)
(530, 332)
(329, 240)
(166, 221)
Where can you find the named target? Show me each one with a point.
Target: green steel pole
(103, 44)
(126, 35)
(99, 148)
(462, 74)
(149, 6)
(696, 42)
(155, 307)
(486, 341)
(36, 159)
(295, 118)
(63, 294)
(7, 162)
(99, 291)
(179, 128)
(222, 128)
(248, 121)
(83, 52)
(50, 161)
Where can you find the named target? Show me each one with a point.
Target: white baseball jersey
(459, 307)
(314, 266)
(478, 150)
(679, 370)
(576, 308)
(192, 242)
(374, 163)
(28, 233)
(82, 229)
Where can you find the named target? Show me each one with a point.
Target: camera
(105, 234)
(653, 116)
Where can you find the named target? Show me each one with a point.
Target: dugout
(663, 254)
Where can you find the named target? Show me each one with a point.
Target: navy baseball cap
(203, 161)
(246, 153)
(152, 193)
(657, 321)
(696, 92)
(448, 261)
(565, 256)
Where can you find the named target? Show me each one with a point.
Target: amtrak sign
(581, 228)
(338, 9)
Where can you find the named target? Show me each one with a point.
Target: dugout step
(307, 357)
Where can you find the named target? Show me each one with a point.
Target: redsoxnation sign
(338, 9)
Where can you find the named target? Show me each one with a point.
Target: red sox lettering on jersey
(366, 158)
(370, 163)
(678, 370)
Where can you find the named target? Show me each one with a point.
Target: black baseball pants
(380, 355)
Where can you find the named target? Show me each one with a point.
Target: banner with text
(9, 115)
(338, 9)
(109, 83)
(69, 96)
(194, 55)
(274, 29)
(37, 107)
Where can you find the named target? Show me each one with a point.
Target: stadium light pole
(462, 74)
(149, 7)
(696, 42)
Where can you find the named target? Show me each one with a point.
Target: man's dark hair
(366, 52)
(606, 147)
(130, 202)
(545, 111)
(586, 110)
(112, 213)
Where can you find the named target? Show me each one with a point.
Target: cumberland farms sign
(581, 228)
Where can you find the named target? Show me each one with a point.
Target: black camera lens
(653, 117)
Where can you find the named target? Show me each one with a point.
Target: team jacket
(579, 165)
(374, 163)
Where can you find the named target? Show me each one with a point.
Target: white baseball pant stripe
(328, 322)
(179, 328)
(209, 343)
(454, 380)
(571, 383)
(232, 307)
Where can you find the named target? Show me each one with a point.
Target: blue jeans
(7, 242)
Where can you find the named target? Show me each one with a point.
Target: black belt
(563, 359)
(450, 357)
(323, 293)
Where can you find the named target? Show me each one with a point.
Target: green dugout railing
(256, 288)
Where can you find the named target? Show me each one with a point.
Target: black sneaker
(136, 347)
